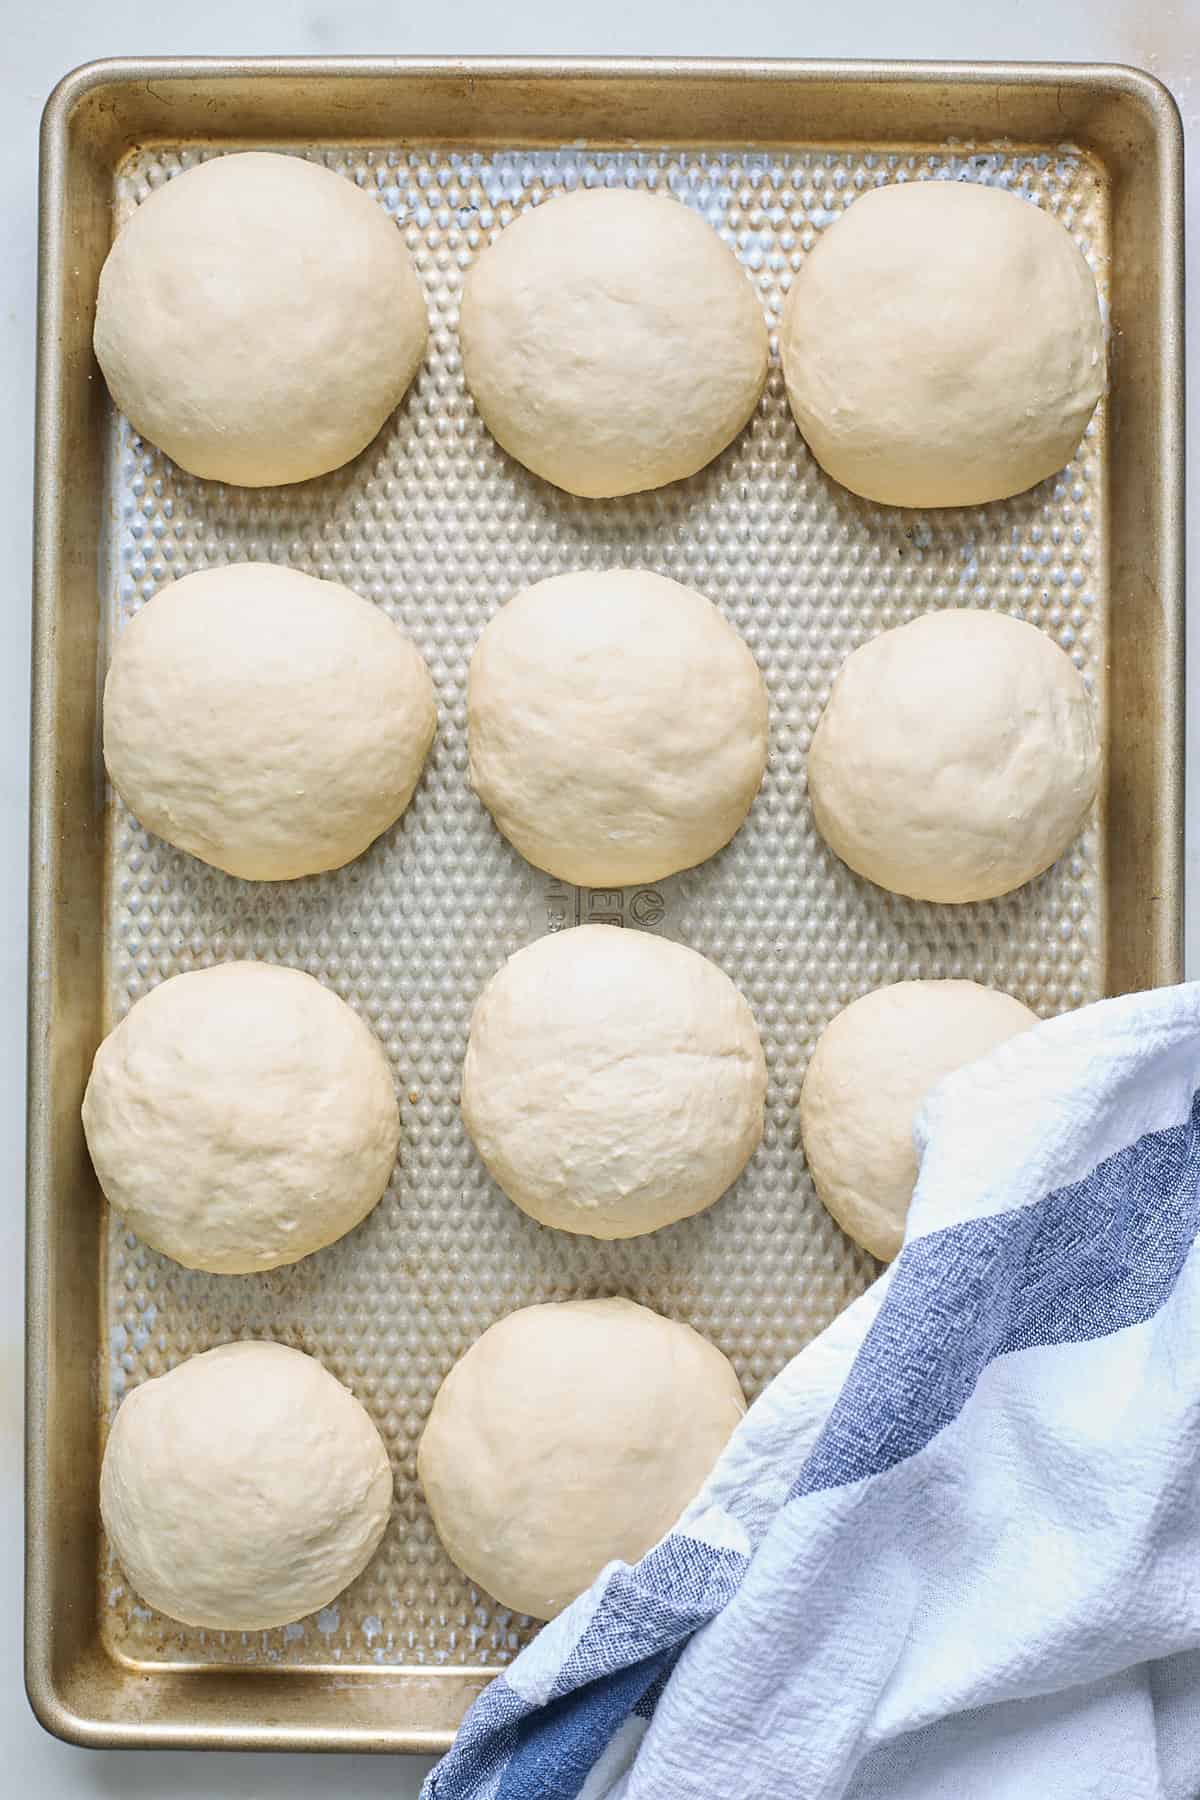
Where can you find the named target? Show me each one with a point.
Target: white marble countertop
(45, 39)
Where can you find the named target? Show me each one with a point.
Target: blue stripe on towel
(557, 1746)
(659, 1602)
(657, 1605)
(1039, 1275)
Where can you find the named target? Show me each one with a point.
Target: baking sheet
(438, 527)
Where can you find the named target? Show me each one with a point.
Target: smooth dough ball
(258, 319)
(957, 757)
(589, 741)
(244, 1489)
(267, 722)
(614, 1082)
(872, 1067)
(570, 1436)
(612, 342)
(241, 1117)
(943, 345)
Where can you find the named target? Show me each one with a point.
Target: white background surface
(43, 39)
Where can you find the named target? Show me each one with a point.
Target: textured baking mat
(434, 524)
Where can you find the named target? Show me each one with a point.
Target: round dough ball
(244, 1489)
(614, 1081)
(612, 342)
(943, 345)
(269, 723)
(872, 1067)
(241, 1117)
(957, 757)
(580, 745)
(570, 1436)
(258, 319)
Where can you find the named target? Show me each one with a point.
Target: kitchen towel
(953, 1551)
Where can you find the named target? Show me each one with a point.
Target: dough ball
(258, 319)
(241, 1117)
(614, 1081)
(269, 723)
(568, 1437)
(612, 341)
(957, 757)
(589, 741)
(942, 345)
(244, 1489)
(872, 1067)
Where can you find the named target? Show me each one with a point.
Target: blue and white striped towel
(953, 1552)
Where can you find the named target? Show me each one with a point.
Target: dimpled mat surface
(437, 526)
